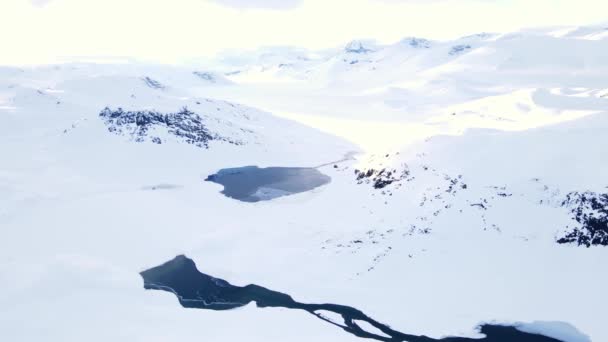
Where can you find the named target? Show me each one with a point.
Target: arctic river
(198, 290)
(254, 184)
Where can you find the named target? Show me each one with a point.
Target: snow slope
(477, 156)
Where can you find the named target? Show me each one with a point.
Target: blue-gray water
(198, 290)
(253, 184)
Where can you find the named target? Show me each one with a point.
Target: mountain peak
(358, 46)
(416, 42)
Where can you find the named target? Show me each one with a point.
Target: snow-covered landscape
(436, 185)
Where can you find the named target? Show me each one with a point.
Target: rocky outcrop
(357, 46)
(152, 83)
(156, 127)
(381, 178)
(211, 77)
(458, 49)
(590, 210)
(419, 43)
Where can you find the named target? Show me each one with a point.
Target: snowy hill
(463, 184)
(580, 51)
(545, 173)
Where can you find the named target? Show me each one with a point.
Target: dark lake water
(198, 290)
(254, 184)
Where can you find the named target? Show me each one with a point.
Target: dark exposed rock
(185, 125)
(453, 184)
(205, 76)
(357, 47)
(380, 178)
(459, 49)
(154, 84)
(419, 43)
(590, 210)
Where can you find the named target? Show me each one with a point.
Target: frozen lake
(254, 184)
(195, 289)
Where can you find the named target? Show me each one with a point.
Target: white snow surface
(519, 118)
(559, 330)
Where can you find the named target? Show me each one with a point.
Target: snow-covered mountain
(549, 56)
(467, 187)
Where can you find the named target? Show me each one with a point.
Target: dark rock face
(357, 47)
(590, 210)
(205, 76)
(152, 83)
(198, 290)
(152, 126)
(459, 49)
(380, 178)
(420, 43)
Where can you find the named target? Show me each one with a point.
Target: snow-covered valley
(467, 187)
